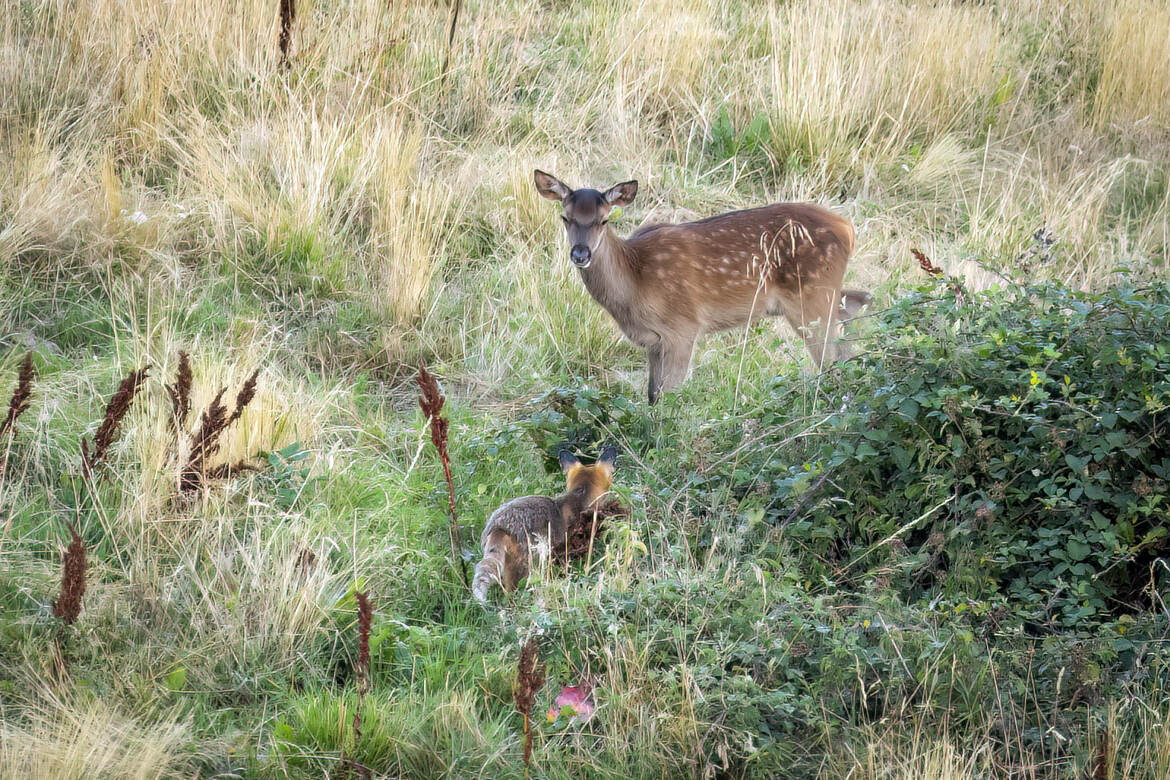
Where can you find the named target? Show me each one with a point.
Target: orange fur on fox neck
(584, 487)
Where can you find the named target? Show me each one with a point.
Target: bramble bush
(1012, 444)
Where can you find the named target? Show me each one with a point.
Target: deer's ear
(622, 194)
(550, 186)
(568, 460)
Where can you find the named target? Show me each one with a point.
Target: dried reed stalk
(116, 409)
(529, 681)
(19, 403)
(206, 440)
(456, 7)
(925, 264)
(180, 393)
(288, 15)
(431, 401)
(68, 603)
(365, 616)
(1101, 764)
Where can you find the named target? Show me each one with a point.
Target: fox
(513, 529)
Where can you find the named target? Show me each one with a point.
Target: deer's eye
(605, 221)
(564, 219)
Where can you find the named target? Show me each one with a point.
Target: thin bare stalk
(456, 7)
(431, 401)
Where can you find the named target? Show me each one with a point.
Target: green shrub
(1008, 444)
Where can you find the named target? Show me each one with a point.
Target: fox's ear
(607, 456)
(568, 460)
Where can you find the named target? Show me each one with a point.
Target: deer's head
(584, 212)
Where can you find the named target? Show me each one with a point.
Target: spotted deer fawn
(666, 285)
(513, 530)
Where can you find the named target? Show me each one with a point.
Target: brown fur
(512, 531)
(667, 285)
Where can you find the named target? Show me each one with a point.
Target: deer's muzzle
(581, 256)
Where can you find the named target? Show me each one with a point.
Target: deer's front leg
(669, 363)
(655, 356)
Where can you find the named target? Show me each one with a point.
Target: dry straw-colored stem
(456, 7)
(68, 603)
(19, 403)
(431, 401)
(116, 409)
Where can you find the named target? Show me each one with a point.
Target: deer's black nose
(580, 255)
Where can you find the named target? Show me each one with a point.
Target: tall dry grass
(74, 740)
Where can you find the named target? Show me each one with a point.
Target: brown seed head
(116, 409)
(925, 264)
(529, 676)
(19, 403)
(365, 616)
(68, 604)
(431, 401)
(245, 396)
(180, 392)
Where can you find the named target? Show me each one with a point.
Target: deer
(668, 284)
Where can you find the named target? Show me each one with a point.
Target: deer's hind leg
(814, 315)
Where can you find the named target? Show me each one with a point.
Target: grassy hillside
(976, 592)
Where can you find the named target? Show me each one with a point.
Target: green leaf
(1077, 550)
(176, 679)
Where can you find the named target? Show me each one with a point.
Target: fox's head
(588, 482)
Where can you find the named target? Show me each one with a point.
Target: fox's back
(523, 517)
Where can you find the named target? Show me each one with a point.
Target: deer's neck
(609, 278)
